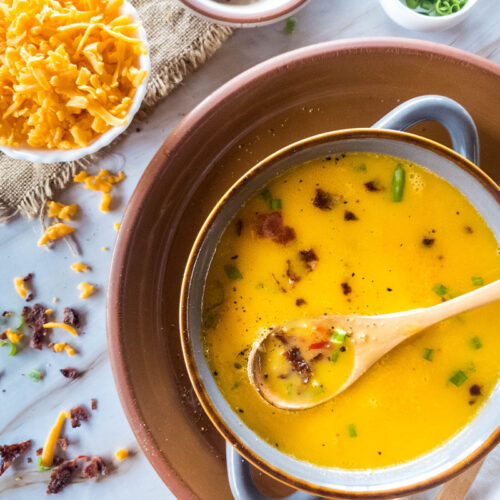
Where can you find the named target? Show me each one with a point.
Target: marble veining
(28, 409)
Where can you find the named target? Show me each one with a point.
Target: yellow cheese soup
(368, 234)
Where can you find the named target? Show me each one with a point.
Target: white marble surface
(28, 409)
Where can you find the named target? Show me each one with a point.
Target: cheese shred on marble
(51, 441)
(20, 287)
(64, 326)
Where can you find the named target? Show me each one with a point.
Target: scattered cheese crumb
(78, 267)
(104, 249)
(64, 326)
(69, 71)
(102, 182)
(62, 211)
(55, 231)
(50, 442)
(105, 202)
(116, 226)
(20, 287)
(13, 336)
(55, 299)
(48, 311)
(121, 454)
(63, 347)
(86, 289)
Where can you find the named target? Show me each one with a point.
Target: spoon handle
(472, 300)
(457, 488)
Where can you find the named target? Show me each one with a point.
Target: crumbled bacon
(70, 372)
(346, 288)
(38, 452)
(9, 453)
(348, 215)
(61, 476)
(239, 227)
(35, 317)
(94, 468)
(293, 278)
(280, 335)
(299, 364)
(270, 226)
(323, 200)
(71, 317)
(310, 258)
(3, 335)
(373, 186)
(475, 390)
(28, 277)
(63, 443)
(428, 242)
(93, 404)
(78, 413)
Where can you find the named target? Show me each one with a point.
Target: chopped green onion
(476, 343)
(232, 272)
(335, 356)
(458, 378)
(398, 183)
(436, 7)
(235, 386)
(413, 4)
(360, 168)
(428, 353)
(276, 204)
(439, 289)
(290, 25)
(41, 467)
(35, 375)
(266, 194)
(477, 281)
(13, 348)
(237, 366)
(338, 336)
(352, 431)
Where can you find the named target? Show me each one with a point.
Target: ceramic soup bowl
(387, 136)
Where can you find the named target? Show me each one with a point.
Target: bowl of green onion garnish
(427, 15)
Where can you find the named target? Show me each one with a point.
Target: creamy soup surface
(328, 237)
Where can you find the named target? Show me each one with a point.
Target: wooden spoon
(291, 365)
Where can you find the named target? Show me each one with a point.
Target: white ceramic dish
(411, 20)
(58, 155)
(245, 13)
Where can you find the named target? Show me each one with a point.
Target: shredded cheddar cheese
(20, 287)
(105, 202)
(63, 347)
(116, 226)
(86, 289)
(61, 211)
(69, 70)
(121, 454)
(78, 267)
(55, 231)
(51, 441)
(64, 326)
(13, 336)
(102, 182)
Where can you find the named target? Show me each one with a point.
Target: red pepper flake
(270, 226)
(346, 288)
(320, 345)
(9, 453)
(348, 215)
(323, 200)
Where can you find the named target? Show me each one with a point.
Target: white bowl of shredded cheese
(99, 110)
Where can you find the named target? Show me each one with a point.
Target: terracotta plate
(330, 86)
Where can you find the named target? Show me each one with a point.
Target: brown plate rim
(174, 141)
(188, 354)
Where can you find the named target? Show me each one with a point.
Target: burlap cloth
(178, 43)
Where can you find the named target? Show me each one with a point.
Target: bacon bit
(239, 227)
(475, 390)
(298, 363)
(64, 326)
(71, 317)
(19, 287)
(317, 357)
(28, 277)
(39, 452)
(93, 404)
(61, 476)
(63, 443)
(70, 372)
(428, 242)
(300, 302)
(468, 229)
(3, 335)
(270, 226)
(323, 200)
(29, 460)
(373, 186)
(280, 335)
(9, 453)
(86, 289)
(78, 413)
(61, 211)
(346, 288)
(121, 454)
(350, 215)
(55, 231)
(320, 345)
(95, 467)
(292, 277)
(310, 258)
(35, 317)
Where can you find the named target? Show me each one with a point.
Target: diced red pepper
(320, 345)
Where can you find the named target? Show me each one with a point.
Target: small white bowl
(411, 20)
(245, 13)
(57, 155)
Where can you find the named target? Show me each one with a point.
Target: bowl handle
(449, 113)
(241, 482)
